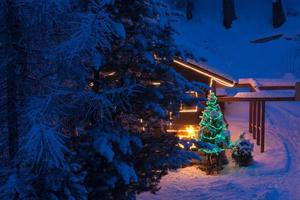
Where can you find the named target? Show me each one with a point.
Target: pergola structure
(260, 92)
(257, 101)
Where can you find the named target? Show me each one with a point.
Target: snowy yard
(275, 174)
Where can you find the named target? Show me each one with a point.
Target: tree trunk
(16, 60)
(189, 10)
(278, 13)
(228, 13)
(12, 117)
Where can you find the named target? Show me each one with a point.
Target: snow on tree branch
(44, 148)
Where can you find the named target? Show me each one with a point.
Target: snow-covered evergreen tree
(60, 39)
(144, 57)
(88, 65)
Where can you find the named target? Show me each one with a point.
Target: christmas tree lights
(213, 128)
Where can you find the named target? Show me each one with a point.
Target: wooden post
(250, 116)
(263, 115)
(258, 122)
(212, 85)
(254, 120)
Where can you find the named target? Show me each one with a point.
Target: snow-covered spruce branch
(89, 32)
(81, 105)
(43, 148)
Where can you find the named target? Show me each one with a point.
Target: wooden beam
(245, 85)
(283, 87)
(239, 99)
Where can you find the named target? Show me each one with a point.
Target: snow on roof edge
(211, 69)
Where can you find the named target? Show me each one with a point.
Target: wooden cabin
(186, 125)
(259, 92)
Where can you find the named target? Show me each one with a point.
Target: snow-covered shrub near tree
(242, 151)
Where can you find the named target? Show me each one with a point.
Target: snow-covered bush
(242, 151)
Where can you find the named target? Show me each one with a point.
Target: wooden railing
(257, 112)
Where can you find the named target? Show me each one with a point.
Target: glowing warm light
(181, 146)
(170, 117)
(91, 84)
(156, 57)
(193, 147)
(156, 83)
(171, 131)
(191, 131)
(111, 74)
(188, 132)
(223, 82)
(106, 74)
(189, 110)
(211, 82)
(193, 110)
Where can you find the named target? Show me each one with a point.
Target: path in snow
(275, 174)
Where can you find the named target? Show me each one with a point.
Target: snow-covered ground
(275, 174)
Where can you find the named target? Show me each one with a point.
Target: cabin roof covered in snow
(257, 84)
(267, 94)
(212, 69)
(207, 70)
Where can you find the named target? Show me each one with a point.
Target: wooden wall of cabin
(186, 119)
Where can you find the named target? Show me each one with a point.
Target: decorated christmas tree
(213, 128)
